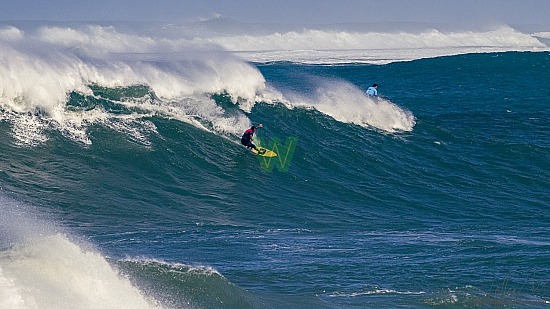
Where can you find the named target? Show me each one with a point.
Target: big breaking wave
(41, 67)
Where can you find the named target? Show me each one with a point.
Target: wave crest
(345, 102)
(41, 72)
(41, 69)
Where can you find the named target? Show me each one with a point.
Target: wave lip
(42, 73)
(41, 70)
(346, 103)
(179, 285)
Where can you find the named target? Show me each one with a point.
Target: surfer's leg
(251, 146)
(248, 144)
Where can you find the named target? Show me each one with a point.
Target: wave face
(123, 184)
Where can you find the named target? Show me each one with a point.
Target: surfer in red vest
(247, 137)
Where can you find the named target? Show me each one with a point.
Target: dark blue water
(452, 214)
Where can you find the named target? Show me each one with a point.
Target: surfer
(247, 137)
(372, 91)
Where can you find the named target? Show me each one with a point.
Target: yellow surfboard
(264, 152)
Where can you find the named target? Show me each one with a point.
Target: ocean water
(123, 183)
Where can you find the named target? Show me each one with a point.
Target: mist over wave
(53, 272)
(504, 37)
(41, 267)
(51, 78)
(376, 43)
(345, 102)
(41, 69)
(317, 47)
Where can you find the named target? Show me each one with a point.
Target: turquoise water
(453, 213)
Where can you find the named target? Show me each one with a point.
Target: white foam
(367, 56)
(10, 294)
(40, 68)
(346, 103)
(376, 292)
(10, 33)
(329, 47)
(53, 272)
(312, 39)
(40, 267)
(544, 34)
(176, 267)
(200, 68)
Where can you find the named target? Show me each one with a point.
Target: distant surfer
(372, 91)
(247, 137)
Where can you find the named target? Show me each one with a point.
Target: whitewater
(43, 65)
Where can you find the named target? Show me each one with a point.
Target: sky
(282, 11)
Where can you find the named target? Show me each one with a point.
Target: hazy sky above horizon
(283, 11)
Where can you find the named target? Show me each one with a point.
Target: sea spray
(53, 272)
(48, 73)
(42, 70)
(41, 267)
(345, 102)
